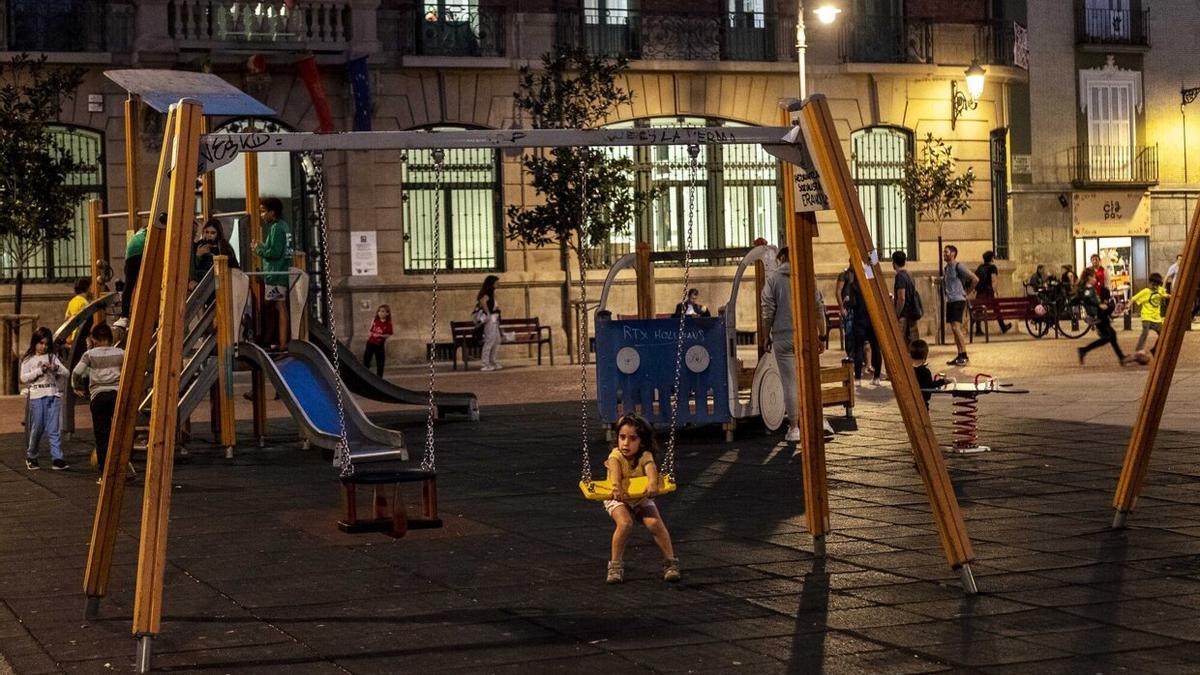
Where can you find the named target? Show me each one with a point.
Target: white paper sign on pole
(806, 182)
(364, 254)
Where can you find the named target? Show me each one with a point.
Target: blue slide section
(316, 396)
(305, 381)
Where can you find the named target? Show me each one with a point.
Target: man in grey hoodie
(777, 318)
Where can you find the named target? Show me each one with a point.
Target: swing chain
(669, 457)
(342, 453)
(585, 474)
(428, 462)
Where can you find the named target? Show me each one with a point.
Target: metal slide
(305, 381)
(364, 382)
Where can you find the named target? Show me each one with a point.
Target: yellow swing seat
(601, 490)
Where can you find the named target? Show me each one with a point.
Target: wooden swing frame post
(98, 249)
(138, 340)
(820, 135)
(258, 380)
(801, 229)
(644, 273)
(1158, 382)
(223, 400)
(168, 362)
(133, 110)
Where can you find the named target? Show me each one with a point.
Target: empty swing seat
(382, 476)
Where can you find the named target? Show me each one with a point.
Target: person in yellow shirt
(76, 305)
(1151, 300)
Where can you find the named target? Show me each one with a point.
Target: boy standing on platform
(276, 254)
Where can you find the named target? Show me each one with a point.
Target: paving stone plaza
(260, 580)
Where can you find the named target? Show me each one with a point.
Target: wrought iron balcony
(1111, 26)
(62, 26)
(867, 38)
(454, 30)
(730, 36)
(1115, 165)
(318, 25)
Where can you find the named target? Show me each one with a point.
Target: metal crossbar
(220, 149)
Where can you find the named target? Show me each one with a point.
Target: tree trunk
(20, 290)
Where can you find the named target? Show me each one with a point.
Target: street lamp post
(826, 14)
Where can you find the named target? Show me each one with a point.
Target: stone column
(364, 35)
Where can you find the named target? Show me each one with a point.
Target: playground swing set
(823, 182)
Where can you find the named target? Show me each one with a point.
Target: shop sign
(1022, 165)
(1110, 214)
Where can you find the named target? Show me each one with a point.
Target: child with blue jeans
(41, 374)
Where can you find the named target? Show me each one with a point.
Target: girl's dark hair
(384, 306)
(1156, 279)
(102, 333)
(989, 256)
(40, 334)
(215, 223)
(644, 431)
(489, 287)
(83, 285)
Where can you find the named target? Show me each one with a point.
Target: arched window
(877, 160)
(465, 211)
(736, 201)
(69, 259)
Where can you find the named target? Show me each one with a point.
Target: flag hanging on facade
(316, 91)
(360, 85)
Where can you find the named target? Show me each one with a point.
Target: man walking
(909, 308)
(956, 280)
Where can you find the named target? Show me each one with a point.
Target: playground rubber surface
(260, 580)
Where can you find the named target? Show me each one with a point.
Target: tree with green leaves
(587, 193)
(37, 198)
(932, 187)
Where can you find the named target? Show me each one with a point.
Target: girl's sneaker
(671, 569)
(59, 465)
(616, 572)
(32, 464)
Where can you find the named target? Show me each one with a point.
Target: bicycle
(1059, 309)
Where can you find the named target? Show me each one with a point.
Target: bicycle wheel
(1037, 326)
(1072, 320)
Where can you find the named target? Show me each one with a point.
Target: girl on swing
(633, 458)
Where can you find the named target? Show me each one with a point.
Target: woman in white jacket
(42, 374)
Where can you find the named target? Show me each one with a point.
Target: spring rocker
(822, 182)
(966, 409)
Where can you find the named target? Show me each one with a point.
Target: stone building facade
(886, 66)
(1108, 161)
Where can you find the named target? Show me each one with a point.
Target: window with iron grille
(736, 198)
(464, 213)
(877, 160)
(69, 259)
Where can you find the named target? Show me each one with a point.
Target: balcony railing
(41, 26)
(456, 30)
(867, 38)
(1115, 164)
(732, 36)
(1112, 26)
(315, 24)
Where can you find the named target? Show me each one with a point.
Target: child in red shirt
(381, 328)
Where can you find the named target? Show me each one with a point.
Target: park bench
(1008, 309)
(522, 331)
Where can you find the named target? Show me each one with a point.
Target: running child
(633, 458)
(1151, 301)
(99, 372)
(381, 328)
(41, 372)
